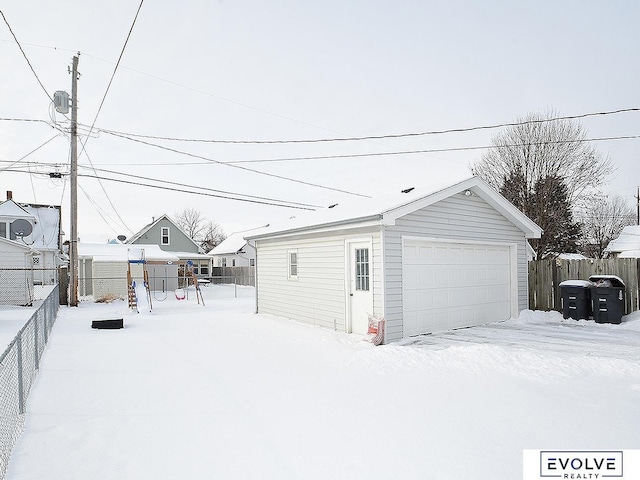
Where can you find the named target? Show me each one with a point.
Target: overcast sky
(289, 70)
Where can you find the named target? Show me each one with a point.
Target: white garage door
(449, 285)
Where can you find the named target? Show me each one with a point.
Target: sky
(264, 71)
(216, 391)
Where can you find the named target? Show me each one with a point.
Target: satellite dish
(21, 228)
(122, 238)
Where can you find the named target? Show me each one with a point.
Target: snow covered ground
(202, 392)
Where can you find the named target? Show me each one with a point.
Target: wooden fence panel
(545, 277)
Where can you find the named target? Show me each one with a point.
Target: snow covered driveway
(190, 392)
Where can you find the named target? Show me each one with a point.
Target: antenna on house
(407, 190)
(21, 228)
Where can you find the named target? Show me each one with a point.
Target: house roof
(17, 245)
(386, 209)
(11, 209)
(154, 223)
(230, 245)
(628, 240)
(113, 252)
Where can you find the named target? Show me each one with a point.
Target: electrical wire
(30, 153)
(218, 162)
(380, 137)
(205, 188)
(84, 144)
(25, 56)
(195, 193)
(431, 150)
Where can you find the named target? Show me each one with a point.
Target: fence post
(235, 287)
(20, 380)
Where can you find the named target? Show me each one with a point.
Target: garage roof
(386, 209)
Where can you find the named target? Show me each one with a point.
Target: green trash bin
(607, 298)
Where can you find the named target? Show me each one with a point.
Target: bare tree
(540, 148)
(206, 233)
(603, 218)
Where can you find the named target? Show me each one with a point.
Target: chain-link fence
(23, 286)
(18, 367)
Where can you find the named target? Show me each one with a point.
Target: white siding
(457, 217)
(317, 296)
(16, 285)
(110, 278)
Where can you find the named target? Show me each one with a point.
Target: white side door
(360, 295)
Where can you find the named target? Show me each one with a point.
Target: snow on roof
(387, 207)
(46, 230)
(111, 252)
(10, 208)
(629, 239)
(630, 254)
(229, 245)
(571, 256)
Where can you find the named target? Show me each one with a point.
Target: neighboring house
(102, 269)
(234, 251)
(627, 245)
(165, 233)
(43, 233)
(423, 261)
(16, 275)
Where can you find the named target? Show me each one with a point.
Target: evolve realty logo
(579, 464)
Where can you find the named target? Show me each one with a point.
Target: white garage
(423, 260)
(450, 285)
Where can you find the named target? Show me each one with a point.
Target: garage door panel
(448, 285)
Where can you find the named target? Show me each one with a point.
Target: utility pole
(638, 204)
(73, 242)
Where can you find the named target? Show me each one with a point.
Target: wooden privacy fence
(545, 277)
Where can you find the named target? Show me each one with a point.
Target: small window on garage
(293, 264)
(362, 269)
(252, 262)
(164, 236)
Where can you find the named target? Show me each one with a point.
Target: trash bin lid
(576, 283)
(615, 280)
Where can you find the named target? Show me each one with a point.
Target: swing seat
(180, 294)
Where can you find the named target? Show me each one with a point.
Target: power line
(195, 193)
(115, 69)
(379, 137)
(25, 56)
(207, 189)
(84, 144)
(30, 153)
(281, 177)
(432, 150)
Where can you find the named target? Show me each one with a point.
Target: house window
(195, 269)
(204, 269)
(164, 236)
(252, 262)
(362, 269)
(293, 263)
(233, 262)
(223, 262)
(3, 230)
(36, 260)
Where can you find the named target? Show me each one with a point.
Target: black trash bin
(607, 298)
(576, 299)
